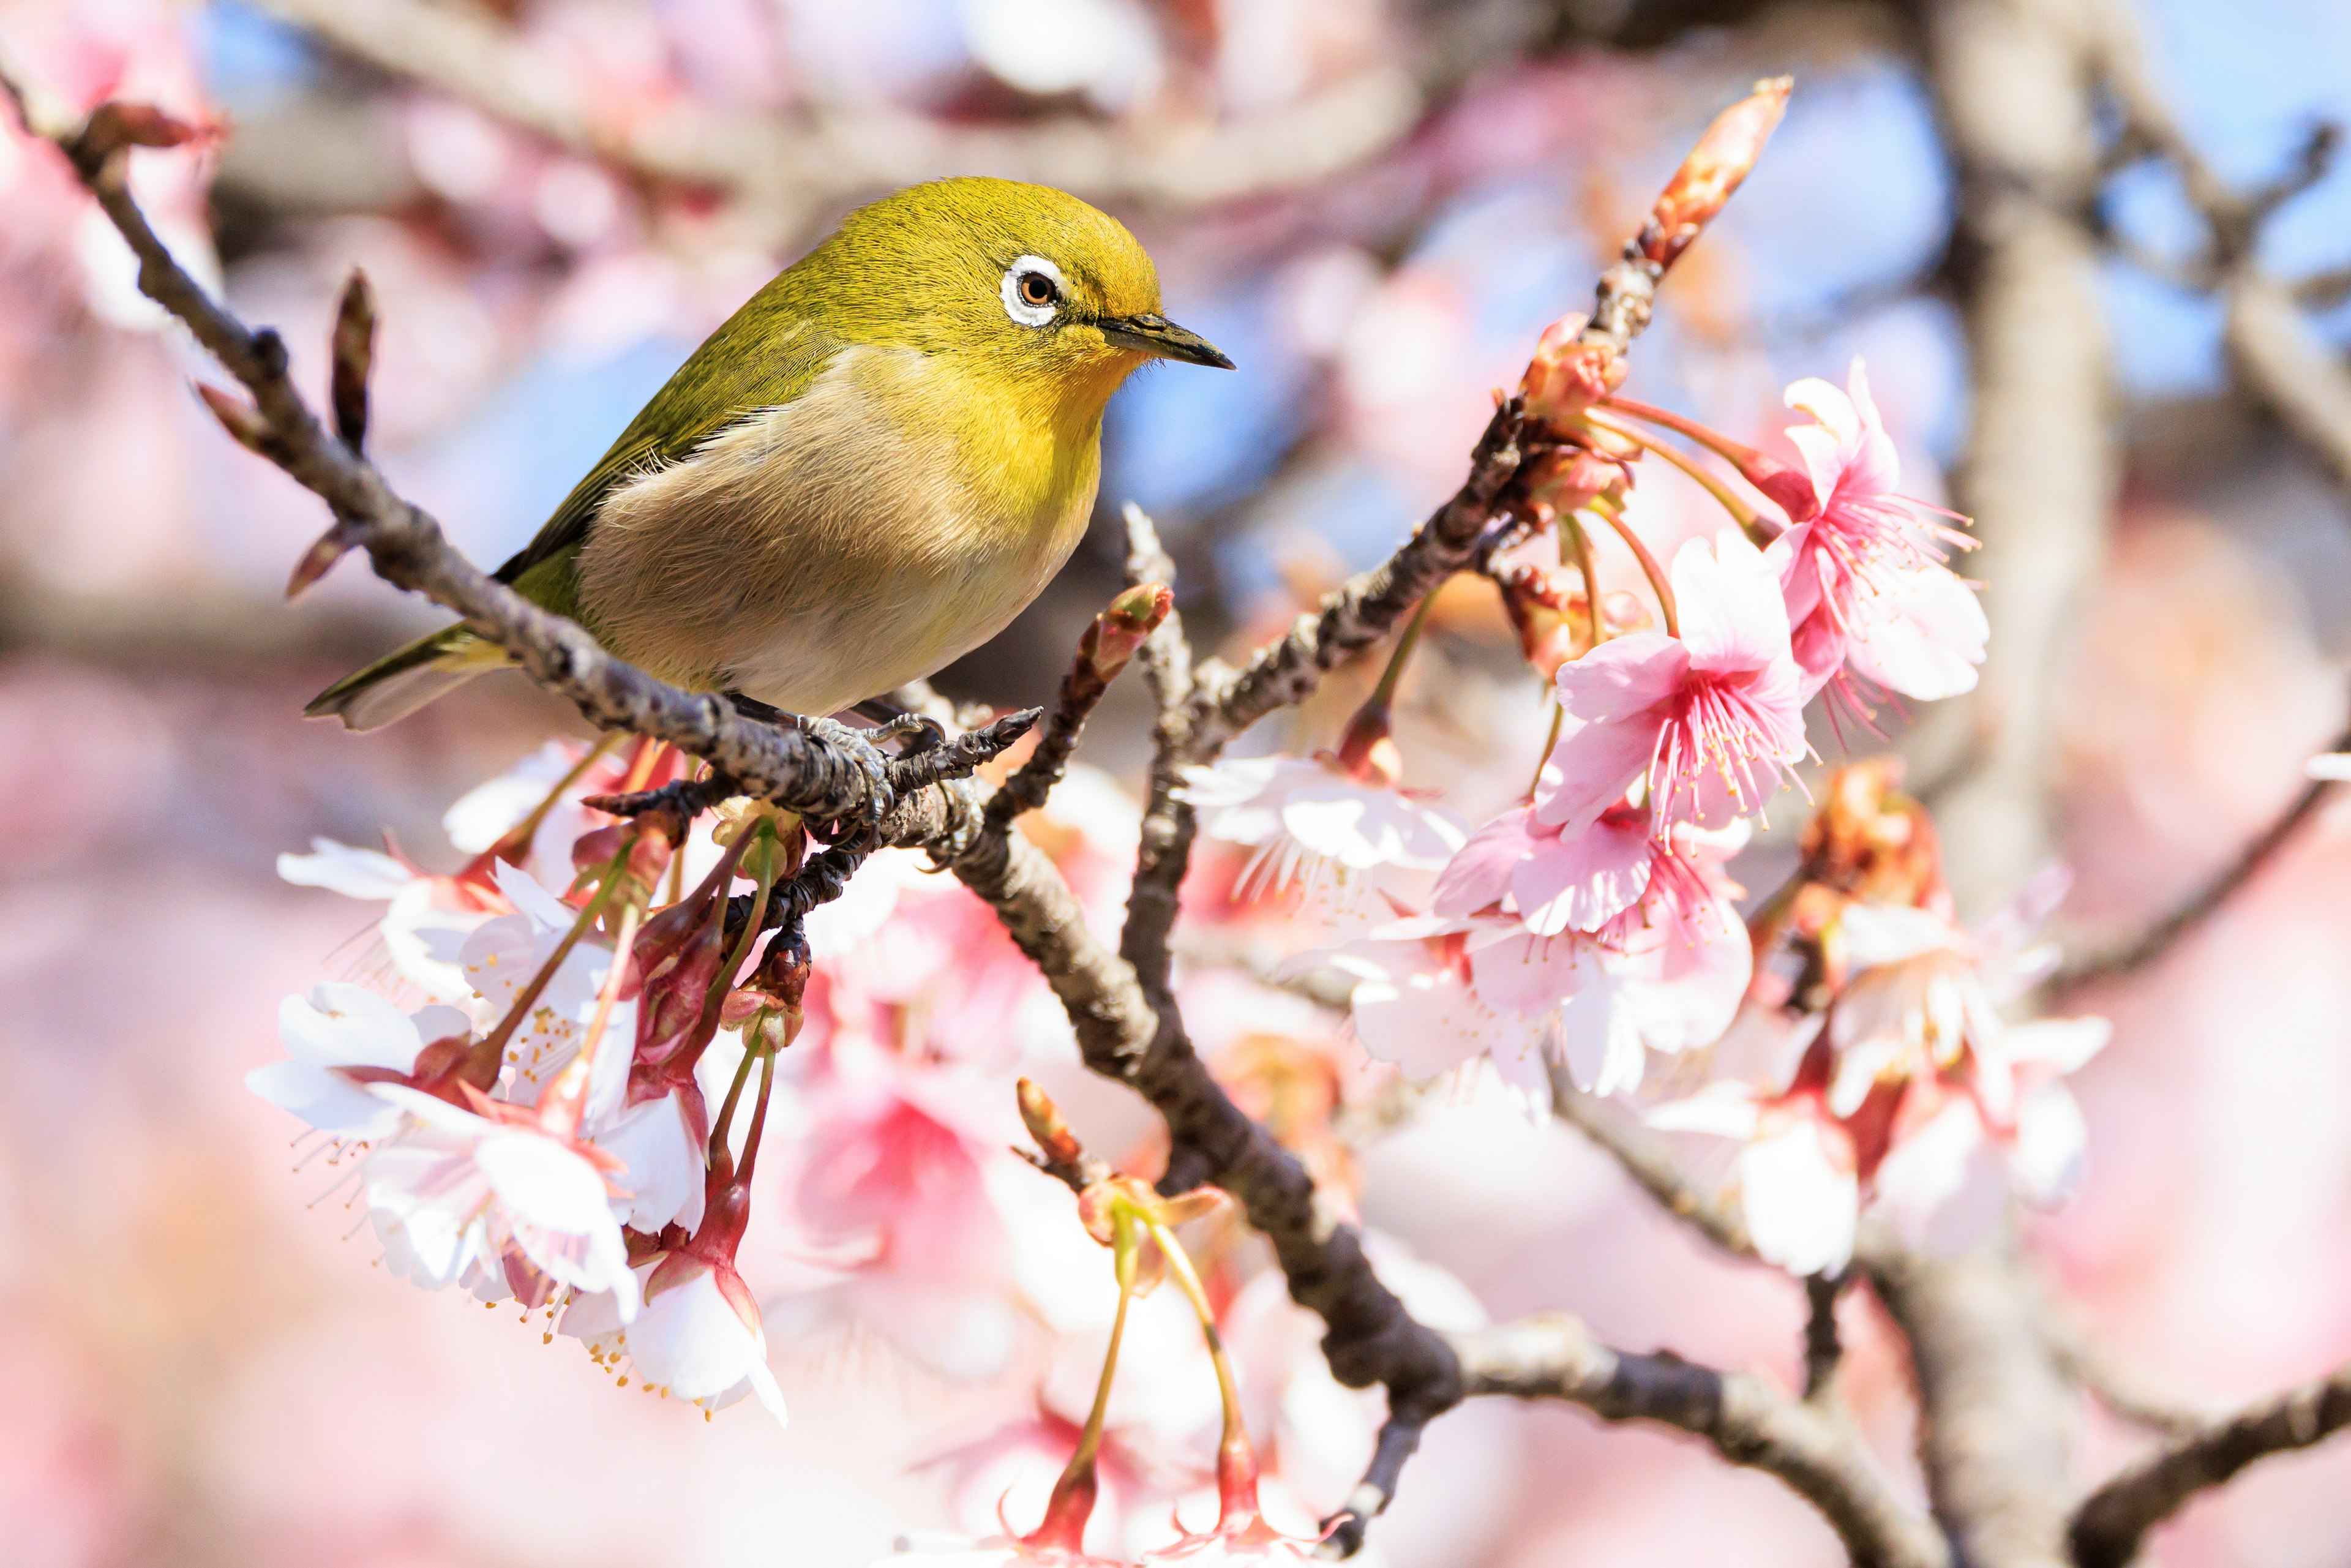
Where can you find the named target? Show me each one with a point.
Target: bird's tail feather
(400, 683)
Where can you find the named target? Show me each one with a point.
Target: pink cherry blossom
(1416, 1002)
(1865, 575)
(1551, 880)
(1705, 721)
(896, 1225)
(1798, 1189)
(337, 1029)
(1313, 819)
(459, 1190)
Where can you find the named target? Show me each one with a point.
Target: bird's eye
(1033, 289)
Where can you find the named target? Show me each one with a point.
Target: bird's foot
(859, 746)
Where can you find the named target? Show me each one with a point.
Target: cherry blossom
(1313, 819)
(1552, 881)
(427, 917)
(1864, 572)
(1704, 722)
(892, 1203)
(1415, 1001)
(338, 1038)
(459, 1190)
(1798, 1189)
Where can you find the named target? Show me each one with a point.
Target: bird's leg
(861, 749)
(752, 707)
(919, 731)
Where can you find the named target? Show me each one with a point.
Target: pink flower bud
(1567, 375)
(1114, 636)
(1714, 169)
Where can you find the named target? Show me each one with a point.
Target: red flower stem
(723, 981)
(517, 839)
(725, 1119)
(1572, 536)
(758, 1113)
(1236, 1461)
(1714, 440)
(609, 879)
(1067, 1511)
(1649, 567)
(1750, 521)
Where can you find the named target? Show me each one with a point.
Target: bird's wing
(738, 371)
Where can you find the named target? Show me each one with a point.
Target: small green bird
(867, 472)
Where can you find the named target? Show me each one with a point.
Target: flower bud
(1566, 375)
(1046, 1124)
(1571, 478)
(1112, 637)
(1714, 169)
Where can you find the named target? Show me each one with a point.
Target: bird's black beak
(1161, 338)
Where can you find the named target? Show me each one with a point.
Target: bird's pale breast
(867, 533)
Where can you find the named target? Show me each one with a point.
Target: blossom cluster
(627, 1068)
(1592, 928)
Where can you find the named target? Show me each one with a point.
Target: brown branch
(1109, 640)
(2207, 900)
(2277, 359)
(1366, 608)
(1995, 1417)
(1824, 1349)
(1165, 853)
(795, 170)
(813, 772)
(1645, 1157)
(2110, 1525)
(1748, 1421)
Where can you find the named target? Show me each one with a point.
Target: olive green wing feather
(760, 359)
(745, 366)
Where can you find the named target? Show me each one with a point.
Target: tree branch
(1645, 1157)
(2207, 900)
(1748, 1421)
(2109, 1526)
(2277, 359)
(795, 170)
(1995, 1412)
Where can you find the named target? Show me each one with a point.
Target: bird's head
(1022, 281)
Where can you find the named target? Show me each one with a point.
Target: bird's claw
(861, 750)
(919, 730)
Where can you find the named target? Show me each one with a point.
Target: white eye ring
(1021, 309)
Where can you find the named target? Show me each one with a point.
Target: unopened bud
(239, 418)
(115, 127)
(1722, 159)
(1368, 751)
(1566, 375)
(1046, 1125)
(352, 352)
(1111, 638)
(594, 851)
(1574, 477)
(324, 552)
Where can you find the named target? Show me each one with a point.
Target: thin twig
(2207, 900)
(1823, 1349)
(2111, 1523)
(1644, 1156)
(797, 169)
(1748, 1422)
(1109, 640)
